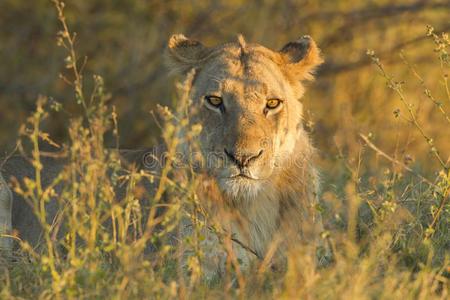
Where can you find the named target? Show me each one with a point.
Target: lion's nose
(242, 159)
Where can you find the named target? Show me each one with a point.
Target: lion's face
(246, 99)
(249, 117)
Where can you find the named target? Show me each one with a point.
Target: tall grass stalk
(389, 231)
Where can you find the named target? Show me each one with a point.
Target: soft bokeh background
(389, 232)
(123, 41)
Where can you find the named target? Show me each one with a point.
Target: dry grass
(388, 220)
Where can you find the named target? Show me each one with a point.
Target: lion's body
(283, 215)
(259, 182)
(5, 215)
(22, 219)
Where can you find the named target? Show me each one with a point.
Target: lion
(263, 184)
(259, 182)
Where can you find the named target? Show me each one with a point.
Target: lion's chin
(240, 187)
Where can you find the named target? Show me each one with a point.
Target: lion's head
(247, 100)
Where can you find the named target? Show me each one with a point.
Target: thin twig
(397, 88)
(395, 161)
(436, 216)
(246, 248)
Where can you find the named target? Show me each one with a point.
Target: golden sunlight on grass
(378, 113)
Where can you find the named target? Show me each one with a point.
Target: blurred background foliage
(124, 40)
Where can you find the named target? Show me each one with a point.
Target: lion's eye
(273, 103)
(214, 100)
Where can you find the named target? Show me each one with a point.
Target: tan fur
(275, 206)
(21, 218)
(278, 203)
(5, 216)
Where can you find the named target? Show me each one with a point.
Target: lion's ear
(183, 54)
(301, 58)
